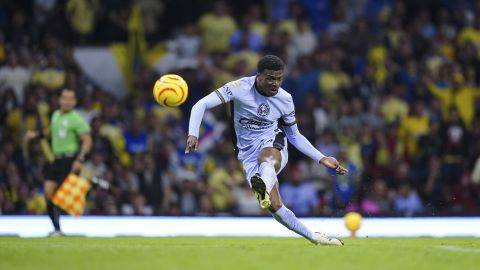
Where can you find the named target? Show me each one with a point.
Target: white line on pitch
(459, 249)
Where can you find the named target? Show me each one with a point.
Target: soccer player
(264, 117)
(66, 128)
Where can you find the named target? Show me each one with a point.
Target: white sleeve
(301, 143)
(225, 92)
(288, 117)
(198, 110)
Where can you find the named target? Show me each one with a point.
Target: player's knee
(271, 156)
(270, 152)
(274, 164)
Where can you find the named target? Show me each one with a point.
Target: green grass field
(237, 253)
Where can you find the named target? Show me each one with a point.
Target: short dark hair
(270, 62)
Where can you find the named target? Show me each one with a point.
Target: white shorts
(250, 164)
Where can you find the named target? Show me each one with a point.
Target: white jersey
(256, 117)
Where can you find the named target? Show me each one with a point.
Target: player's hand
(332, 163)
(192, 144)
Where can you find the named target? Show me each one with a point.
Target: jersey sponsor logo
(255, 124)
(263, 110)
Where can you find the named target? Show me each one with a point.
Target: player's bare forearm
(331, 162)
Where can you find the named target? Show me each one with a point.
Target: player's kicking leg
(288, 219)
(265, 186)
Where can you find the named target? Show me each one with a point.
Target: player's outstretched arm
(196, 116)
(303, 145)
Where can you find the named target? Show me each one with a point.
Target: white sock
(268, 175)
(283, 215)
(288, 219)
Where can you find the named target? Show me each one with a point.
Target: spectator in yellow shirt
(81, 15)
(412, 127)
(333, 80)
(222, 182)
(459, 96)
(470, 34)
(394, 109)
(52, 76)
(32, 116)
(216, 28)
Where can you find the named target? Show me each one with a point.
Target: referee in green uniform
(67, 129)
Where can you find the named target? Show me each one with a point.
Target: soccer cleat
(56, 233)
(260, 190)
(321, 239)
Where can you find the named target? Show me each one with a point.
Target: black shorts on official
(60, 168)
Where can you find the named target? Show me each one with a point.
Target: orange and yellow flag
(70, 196)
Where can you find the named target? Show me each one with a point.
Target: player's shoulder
(242, 83)
(284, 95)
(239, 87)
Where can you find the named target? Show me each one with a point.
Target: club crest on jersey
(263, 110)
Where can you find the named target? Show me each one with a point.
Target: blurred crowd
(389, 87)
